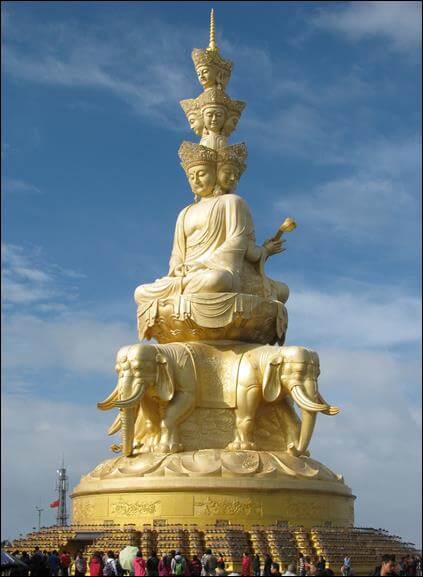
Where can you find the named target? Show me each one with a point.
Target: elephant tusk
(115, 426)
(303, 401)
(331, 410)
(130, 401)
(109, 403)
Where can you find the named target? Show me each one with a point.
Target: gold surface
(298, 506)
(215, 420)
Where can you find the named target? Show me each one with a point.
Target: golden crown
(189, 105)
(215, 96)
(236, 153)
(207, 57)
(192, 154)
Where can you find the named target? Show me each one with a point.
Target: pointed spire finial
(212, 42)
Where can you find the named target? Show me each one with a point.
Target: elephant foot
(165, 448)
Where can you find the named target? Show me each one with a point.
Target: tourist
(178, 564)
(164, 566)
(195, 566)
(311, 566)
(346, 567)
(246, 565)
(267, 564)
(110, 567)
(291, 570)
(139, 564)
(37, 564)
(321, 564)
(220, 559)
(301, 565)
(209, 562)
(256, 565)
(54, 563)
(274, 570)
(152, 564)
(96, 565)
(65, 561)
(80, 565)
(387, 567)
(220, 569)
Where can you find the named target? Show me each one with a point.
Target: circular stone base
(204, 487)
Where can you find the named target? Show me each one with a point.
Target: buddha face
(207, 75)
(230, 124)
(214, 118)
(196, 122)
(228, 175)
(202, 179)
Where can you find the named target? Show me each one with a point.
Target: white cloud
(375, 200)
(375, 441)
(37, 432)
(29, 280)
(399, 23)
(362, 317)
(75, 342)
(16, 186)
(107, 58)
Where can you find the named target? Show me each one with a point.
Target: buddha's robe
(211, 258)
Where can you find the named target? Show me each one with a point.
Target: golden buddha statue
(211, 408)
(214, 235)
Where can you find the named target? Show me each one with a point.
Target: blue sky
(91, 186)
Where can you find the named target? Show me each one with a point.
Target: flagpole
(39, 511)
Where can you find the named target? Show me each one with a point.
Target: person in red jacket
(96, 565)
(65, 561)
(195, 566)
(139, 565)
(247, 568)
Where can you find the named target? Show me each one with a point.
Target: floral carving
(133, 508)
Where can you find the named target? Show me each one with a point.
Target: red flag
(55, 504)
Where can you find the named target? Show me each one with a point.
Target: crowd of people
(44, 563)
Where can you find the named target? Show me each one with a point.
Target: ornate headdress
(192, 154)
(211, 57)
(218, 97)
(236, 153)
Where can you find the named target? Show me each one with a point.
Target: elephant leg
(248, 400)
(149, 425)
(178, 409)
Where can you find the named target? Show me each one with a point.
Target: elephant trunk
(128, 422)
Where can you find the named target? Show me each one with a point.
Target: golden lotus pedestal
(210, 486)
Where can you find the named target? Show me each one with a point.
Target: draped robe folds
(200, 260)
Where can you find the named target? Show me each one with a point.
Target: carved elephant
(154, 393)
(275, 375)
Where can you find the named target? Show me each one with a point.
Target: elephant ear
(164, 379)
(272, 379)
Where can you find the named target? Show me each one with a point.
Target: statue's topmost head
(212, 70)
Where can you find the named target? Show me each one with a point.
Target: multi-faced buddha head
(193, 114)
(230, 166)
(213, 71)
(200, 164)
(214, 117)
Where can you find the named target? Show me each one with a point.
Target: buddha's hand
(272, 246)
